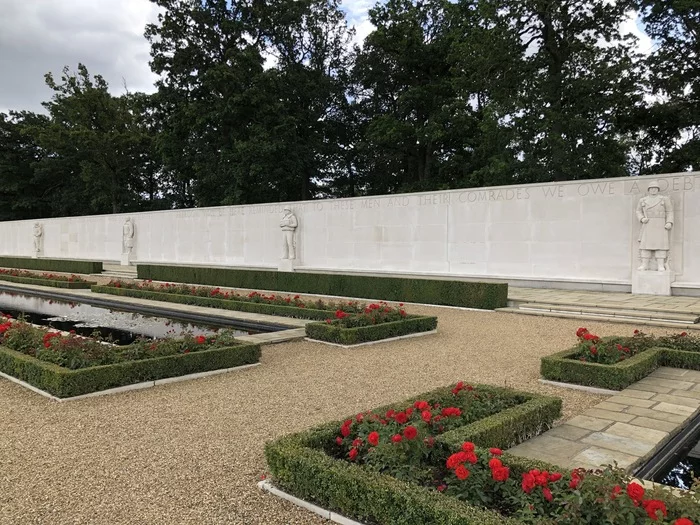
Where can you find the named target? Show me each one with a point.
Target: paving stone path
(625, 428)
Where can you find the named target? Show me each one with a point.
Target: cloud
(38, 36)
(356, 12)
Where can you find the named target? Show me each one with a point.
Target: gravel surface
(192, 452)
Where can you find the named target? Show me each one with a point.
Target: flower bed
(44, 279)
(255, 302)
(67, 365)
(377, 321)
(469, 294)
(617, 362)
(420, 462)
(52, 265)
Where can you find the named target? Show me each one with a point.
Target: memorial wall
(584, 233)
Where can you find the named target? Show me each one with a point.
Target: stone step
(611, 319)
(605, 305)
(118, 268)
(650, 315)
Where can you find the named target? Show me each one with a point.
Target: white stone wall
(583, 231)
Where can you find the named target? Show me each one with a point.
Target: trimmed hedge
(487, 296)
(63, 382)
(51, 265)
(213, 302)
(300, 466)
(45, 282)
(562, 367)
(334, 333)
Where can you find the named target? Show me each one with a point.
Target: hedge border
(561, 367)
(63, 382)
(52, 265)
(334, 333)
(213, 302)
(45, 282)
(470, 294)
(300, 466)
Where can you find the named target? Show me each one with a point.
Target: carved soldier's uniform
(654, 235)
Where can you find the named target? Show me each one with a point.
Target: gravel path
(192, 452)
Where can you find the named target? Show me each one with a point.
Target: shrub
(73, 351)
(487, 296)
(387, 466)
(52, 265)
(617, 362)
(272, 304)
(44, 279)
(336, 333)
(304, 463)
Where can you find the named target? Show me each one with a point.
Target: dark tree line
(261, 101)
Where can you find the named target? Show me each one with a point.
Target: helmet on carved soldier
(654, 184)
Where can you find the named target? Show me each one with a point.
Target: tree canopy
(278, 100)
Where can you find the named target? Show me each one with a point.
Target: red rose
(426, 416)
(554, 476)
(396, 438)
(615, 491)
(500, 474)
(451, 412)
(353, 454)
(581, 331)
(339, 440)
(528, 483)
(461, 472)
(410, 432)
(635, 491)
(594, 350)
(200, 339)
(495, 463)
(357, 442)
(421, 405)
(441, 488)
(682, 521)
(653, 506)
(401, 418)
(547, 494)
(683, 334)
(373, 438)
(468, 446)
(496, 451)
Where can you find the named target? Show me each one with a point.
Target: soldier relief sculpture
(38, 234)
(655, 212)
(288, 224)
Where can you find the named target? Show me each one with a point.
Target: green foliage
(62, 382)
(668, 138)
(620, 361)
(487, 296)
(45, 282)
(52, 265)
(360, 334)
(214, 302)
(301, 464)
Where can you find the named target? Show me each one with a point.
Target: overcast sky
(38, 36)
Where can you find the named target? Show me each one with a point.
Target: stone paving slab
(690, 305)
(626, 428)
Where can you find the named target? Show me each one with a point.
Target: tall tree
(22, 195)
(671, 122)
(405, 96)
(93, 146)
(578, 81)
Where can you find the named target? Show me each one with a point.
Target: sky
(38, 36)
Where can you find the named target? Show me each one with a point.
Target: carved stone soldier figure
(655, 212)
(288, 224)
(38, 233)
(128, 236)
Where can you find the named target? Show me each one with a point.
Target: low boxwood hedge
(488, 296)
(45, 282)
(562, 366)
(300, 465)
(51, 265)
(63, 382)
(213, 302)
(334, 333)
